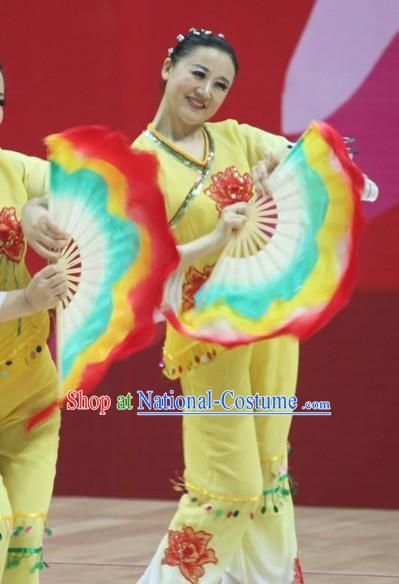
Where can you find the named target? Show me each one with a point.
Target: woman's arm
(14, 305)
(262, 170)
(43, 292)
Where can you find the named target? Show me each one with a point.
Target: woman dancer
(27, 373)
(235, 524)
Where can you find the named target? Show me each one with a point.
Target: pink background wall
(98, 61)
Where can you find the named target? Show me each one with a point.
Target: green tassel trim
(214, 509)
(26, 522)
(17, 555)
(276, 496)
(273, 499)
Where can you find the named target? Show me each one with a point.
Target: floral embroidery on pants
(188, 550)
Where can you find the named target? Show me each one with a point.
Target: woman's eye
(222, 86)
(199, 74)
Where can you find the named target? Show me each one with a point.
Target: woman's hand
(231, 219)
(40, 231)
(370, 192)
(46, 289)
(261, 172)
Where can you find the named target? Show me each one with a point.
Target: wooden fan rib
(269, 230)
(252, 246)
(72, 286)
(267, 221)
(261, 237)
(244, 248)
(72, 255)
(85, 269)
(73, 268)
(74, 279)
(265, 206)
(88, 255)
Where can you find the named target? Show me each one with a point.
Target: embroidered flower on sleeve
(192, 283)
(11, 235)
(188, 550)
(230, 187)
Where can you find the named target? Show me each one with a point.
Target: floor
(110, 541)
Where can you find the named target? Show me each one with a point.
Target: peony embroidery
(11, 235)
(230, 187)
(188, 550)
(192, 283)
(298, 577)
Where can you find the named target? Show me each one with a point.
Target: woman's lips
(196, 103)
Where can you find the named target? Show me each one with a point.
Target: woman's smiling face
(197, 85)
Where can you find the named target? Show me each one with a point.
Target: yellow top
(195, 192)
(21, 178)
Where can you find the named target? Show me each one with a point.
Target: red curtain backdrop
(98, 61)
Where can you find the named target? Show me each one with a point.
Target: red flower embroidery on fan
(230, 187)
(188, 550)
(192, 283)
(11, 234)
(298, 578)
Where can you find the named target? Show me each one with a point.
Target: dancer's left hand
(261, 172)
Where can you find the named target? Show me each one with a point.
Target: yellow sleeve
(34, 172)
(257, 141)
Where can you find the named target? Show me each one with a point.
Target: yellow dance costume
(27, 383)
(235, 523)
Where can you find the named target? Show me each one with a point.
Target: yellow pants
(235, 524)
(27, 462)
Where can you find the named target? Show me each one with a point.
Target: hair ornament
(192, 31)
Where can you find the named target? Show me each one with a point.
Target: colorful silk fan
(105, 196)
(292, 266)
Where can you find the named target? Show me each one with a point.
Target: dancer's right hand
(46, 288)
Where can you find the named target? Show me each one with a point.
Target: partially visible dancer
(27, 373)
